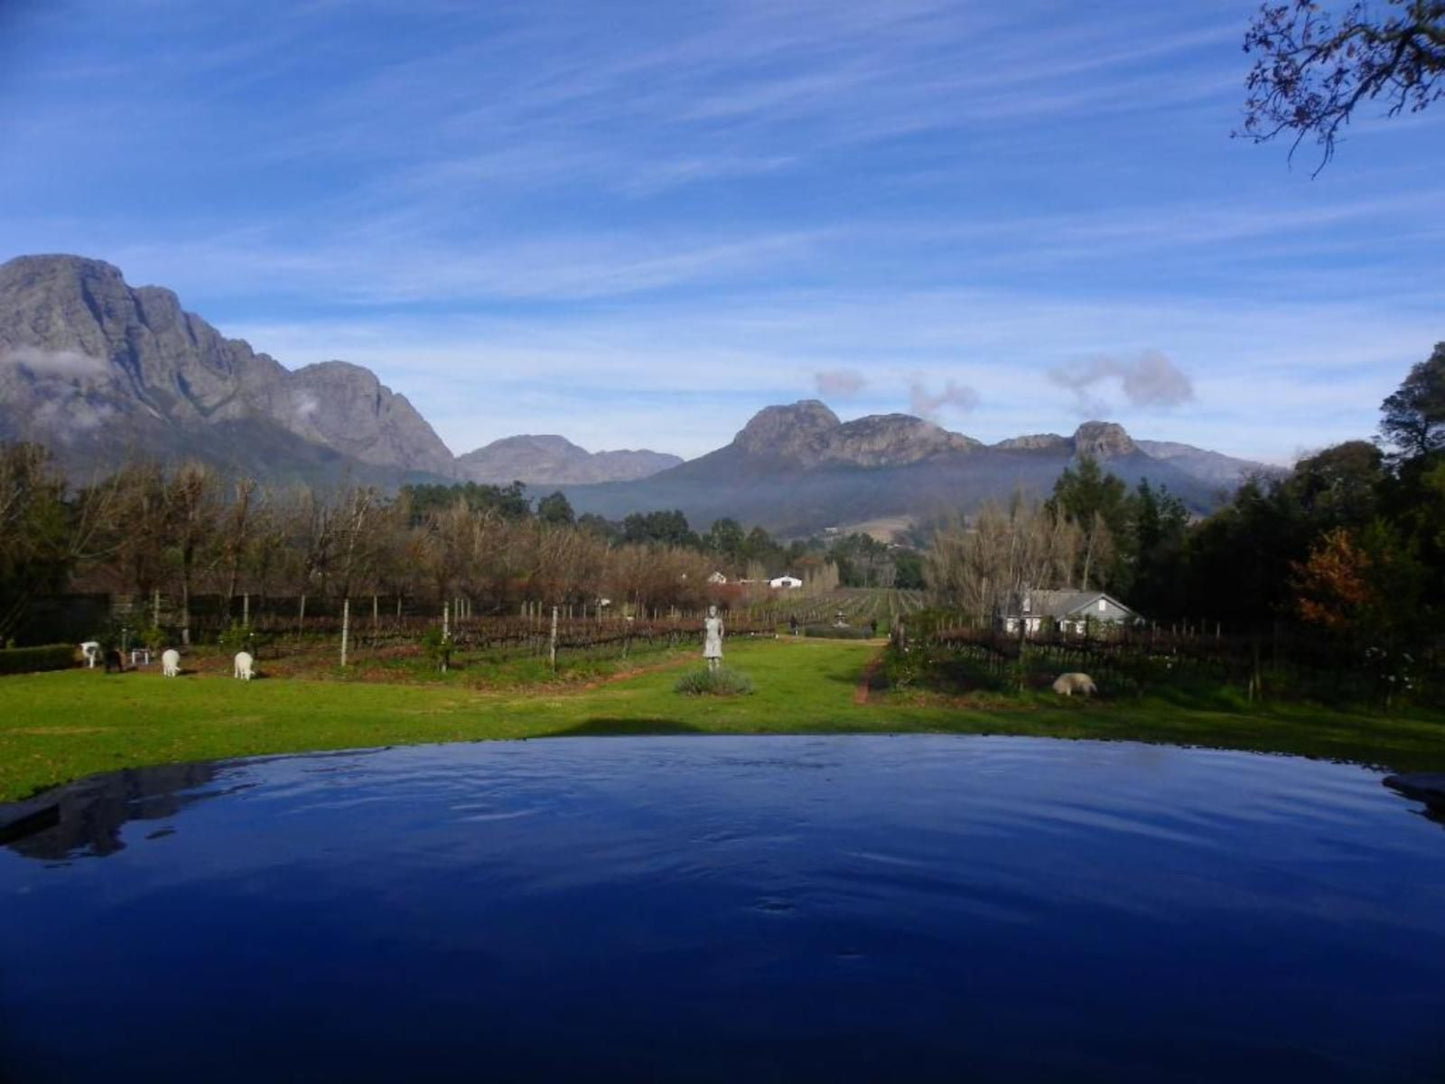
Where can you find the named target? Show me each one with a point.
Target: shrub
(29, 660)
(152, 636)
(719, 682)
(236, 637)
(437, 647)
(837, 632)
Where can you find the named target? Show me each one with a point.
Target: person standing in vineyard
(712, 638)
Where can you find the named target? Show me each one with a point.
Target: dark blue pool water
(840, 908)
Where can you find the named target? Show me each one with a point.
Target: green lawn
(59, 726)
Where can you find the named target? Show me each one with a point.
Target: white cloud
(65, 363)
(926, 404)
(1148, 379)
(839, 383)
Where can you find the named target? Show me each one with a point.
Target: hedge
(27, 660)
(838, 632)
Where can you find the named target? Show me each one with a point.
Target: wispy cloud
(929, 405)
(839, 383)
(64, 363)
(1148, 379)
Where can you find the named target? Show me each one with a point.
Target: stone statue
(712, 639)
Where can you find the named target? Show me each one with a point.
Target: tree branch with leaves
(1312, 69)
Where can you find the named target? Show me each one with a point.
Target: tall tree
(555, 510)
(1097, 503)
(1414, 416)
(35, 552)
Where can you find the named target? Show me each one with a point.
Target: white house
(790, 582)
(1065, 611)
(717, 577)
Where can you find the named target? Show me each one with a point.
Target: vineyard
(855, 606)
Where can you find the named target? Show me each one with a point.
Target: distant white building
(717, 577)
(789, 582)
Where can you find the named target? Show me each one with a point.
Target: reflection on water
(725, 908)
(85, 818)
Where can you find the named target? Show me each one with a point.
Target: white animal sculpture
(170, 662)
(1068, 684)
(91, 650)
(243, 666)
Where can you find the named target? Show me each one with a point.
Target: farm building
(1064, 611)
(787, 581)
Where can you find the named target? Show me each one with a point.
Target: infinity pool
(728, 908)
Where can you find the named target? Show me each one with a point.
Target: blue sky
(637, 224)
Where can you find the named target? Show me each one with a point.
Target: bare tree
(986, 566)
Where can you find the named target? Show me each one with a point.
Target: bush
(437, 647)
(29, 660)
(236, 637)
(719, 682)
(838, 632)
(152, 636)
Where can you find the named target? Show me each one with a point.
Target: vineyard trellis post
(552, 644)
(345, 628)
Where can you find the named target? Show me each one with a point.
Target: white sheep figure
(170, 662)
(91, 650)
(243, 666)
(1068, 684)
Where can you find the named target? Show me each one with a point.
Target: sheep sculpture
(170, 662)
(244, 664)
(1069, 684)
(91, 652)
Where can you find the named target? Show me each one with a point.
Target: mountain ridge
(97, 369)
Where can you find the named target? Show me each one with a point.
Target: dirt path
(865, 679)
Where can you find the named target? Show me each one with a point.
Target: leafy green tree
(35, 550)
(1338, 487)
(555, 510)
(659, 528)
(908, 565)
(1414, 416)
(509, 501)
(726, 541)
(602, 528)
(1160, 524)
(1097, 503)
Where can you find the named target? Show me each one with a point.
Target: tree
(1098, 503)
(1414, 416)
(1312, 69)
(35, 551)
(988, 567)
(555, 510)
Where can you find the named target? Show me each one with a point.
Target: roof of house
(1067, 603)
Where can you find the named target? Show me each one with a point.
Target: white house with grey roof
(1065, 611)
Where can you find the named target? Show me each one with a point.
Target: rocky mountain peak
(87, 360)
(1102, 440)
(786, 432)
(808, 435)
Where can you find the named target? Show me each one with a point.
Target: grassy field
(60, 726)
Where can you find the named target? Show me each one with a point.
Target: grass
(60, 726)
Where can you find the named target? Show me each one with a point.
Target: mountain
(98, 370)
(797, 469)
(1212, 468)
(553, 460)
